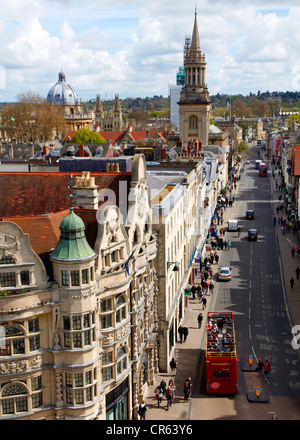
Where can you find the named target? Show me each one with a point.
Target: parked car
(252, 235)
(224, 274)
(249, 214)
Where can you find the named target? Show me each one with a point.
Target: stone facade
(83, 344)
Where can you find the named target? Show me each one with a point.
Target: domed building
(63, 94)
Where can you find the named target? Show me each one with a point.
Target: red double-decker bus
(263, 169)
(220, 358)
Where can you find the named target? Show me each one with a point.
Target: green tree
(84, 135)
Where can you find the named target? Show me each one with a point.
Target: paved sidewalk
(187, 353)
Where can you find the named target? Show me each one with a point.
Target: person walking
(211, 288)
(173, 388)
(259, 367)
(204, 300)
(292, 282)
(228, 244)
(169, 397)
(180, 332)
(186, 391)
(142, 410)
(173, 366)
(163, 386)
(185, 333)
(158, 395)
(267, 369)
(200, 319)
(297, 272)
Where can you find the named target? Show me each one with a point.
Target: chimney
(129, 128)
(86, 192)
(200, 145)
(163, 152)
(197, 146)
(81, 150)
(116, 167)
(45, 149)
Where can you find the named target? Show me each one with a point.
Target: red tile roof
(43, 230)
(23, 194)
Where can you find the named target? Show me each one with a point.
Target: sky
(134, 48)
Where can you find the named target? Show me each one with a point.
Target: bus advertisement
(263, 169)
(221, 358)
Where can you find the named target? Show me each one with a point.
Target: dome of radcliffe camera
(62, 92)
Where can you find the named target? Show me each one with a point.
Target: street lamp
(176, 265)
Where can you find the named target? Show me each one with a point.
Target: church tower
(194, 104)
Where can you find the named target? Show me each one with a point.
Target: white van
(233, 225)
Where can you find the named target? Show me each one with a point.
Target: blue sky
(134, 47)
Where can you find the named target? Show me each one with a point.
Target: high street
(265, 311)
(257, 296)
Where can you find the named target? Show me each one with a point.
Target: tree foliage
(84, 135)
(33, 118)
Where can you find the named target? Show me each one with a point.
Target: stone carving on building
(21, 365)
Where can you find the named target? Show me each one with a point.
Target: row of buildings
(98, 246)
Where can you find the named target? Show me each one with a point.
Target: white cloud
(134, 48)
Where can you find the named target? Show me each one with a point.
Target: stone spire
(195, 50)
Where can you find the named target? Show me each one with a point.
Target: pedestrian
(142, 410)
(169, 397)
(204, 302)
(186, 391)
(200, 319)
(211, 288)
(185, 333)
(173, 388)
(158, 395)
(259, 367)
(293, 251)
(297, 272)
(193, 290)
(180, 332)
(292, 282)
(189, 381)
(205, 287)
(228, 244)
(173, 366)
(267, 369)
(199, 292)
(163, 386)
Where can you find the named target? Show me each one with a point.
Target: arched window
(14, 399)
(193, 123)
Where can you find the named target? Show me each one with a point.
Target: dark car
(252, 235)
(249, 214)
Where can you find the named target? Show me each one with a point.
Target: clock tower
(194, 104)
